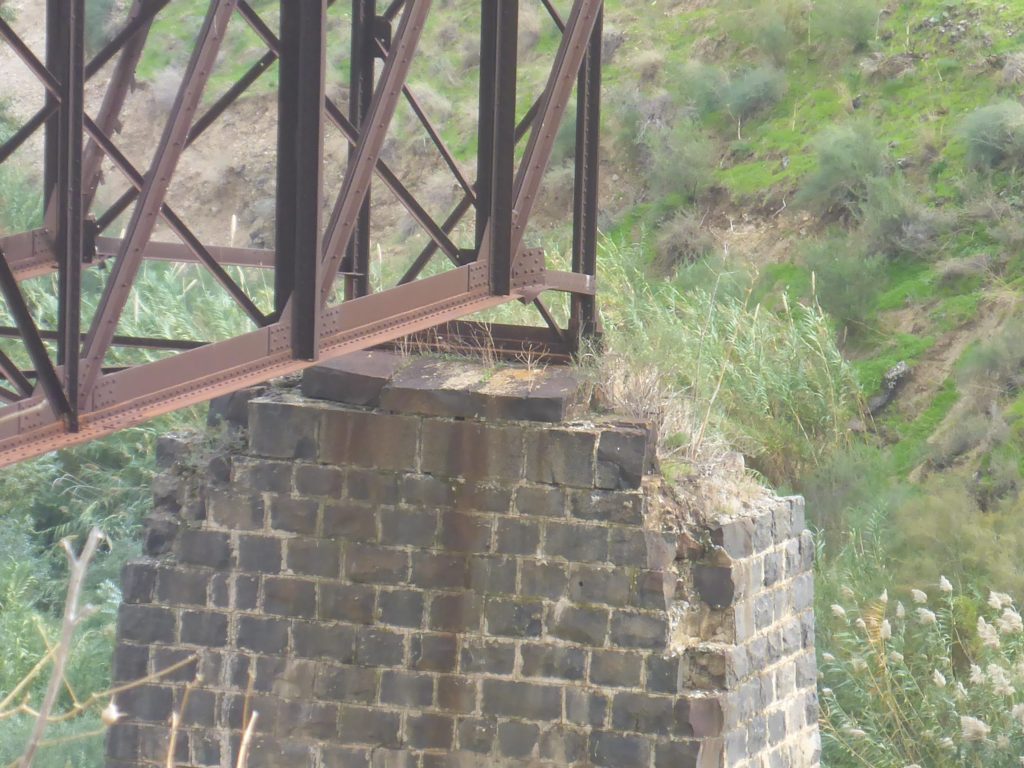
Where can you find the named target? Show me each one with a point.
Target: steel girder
(57, 387)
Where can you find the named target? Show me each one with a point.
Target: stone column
(426, 563)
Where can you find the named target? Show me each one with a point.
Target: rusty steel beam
(168, 152)
(41, 409)
(498, 247)
(356, 186)
(583, 307)
(360, 101)
(300, 155)
(130, 396)
(68, 202)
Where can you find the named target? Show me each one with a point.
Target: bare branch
(78, 567)
(243, 749)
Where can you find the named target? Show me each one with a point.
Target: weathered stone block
(355, 379)
(363, 725)
(283, 430)
(376, 565)
(408, 527)
(259, 554)
(560, 457)
(313, 557)
(492, 575)
(345, 684)
(377, 647)
(595, 584)
(540, 501)
(494, 657)
(427, 491)
(372, 487)
(456, 694)
(514, 618)
(350, 521)
(575, 542)
(262, 635)
(461, 532)
(146, 624)
(372, 440)
(471, 450)
(294, 515)
(625, 455)
(433, 652)
(552, 661)
(517, 536)
(400, 607)
(586, 708)
(618, 507)
(663, 674)
(517, 739)
(312, 641)
(430, 731)
(563, 746)
(637, 630)
(439, 570)
(608, 748)
(318, 480)
(587, 626)
(209, 548)
(204, 628)
(526, 700)
(642, 713)
(455, 612)
(130, 663)
(542, 579)
(615, 669)
(715, 585)
(476, 735)
(235, 509)
(405, 689)
(678, 754)
(284, 596)
(138, 582)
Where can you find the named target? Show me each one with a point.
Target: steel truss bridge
(69, 392)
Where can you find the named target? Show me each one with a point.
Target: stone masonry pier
(412, 562)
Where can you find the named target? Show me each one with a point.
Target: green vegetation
(875, 154)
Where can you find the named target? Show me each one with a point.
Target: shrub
(995, 365)
(702, 87)
(853, 22)
(850, 157)
(774, 27)
(962, 435)
(933, 680)
(848, 278)
(894, 223)
(681, 162)
(682, 240)
(995, 136)
(754, 91)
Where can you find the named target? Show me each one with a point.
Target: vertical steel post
(307, 43)
(68, 199)
(287, 140)
(56, 54)
(364, 50)
(485, 118)
(502, 186)
(583, 319)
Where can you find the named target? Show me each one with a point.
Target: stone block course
(461, 581)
